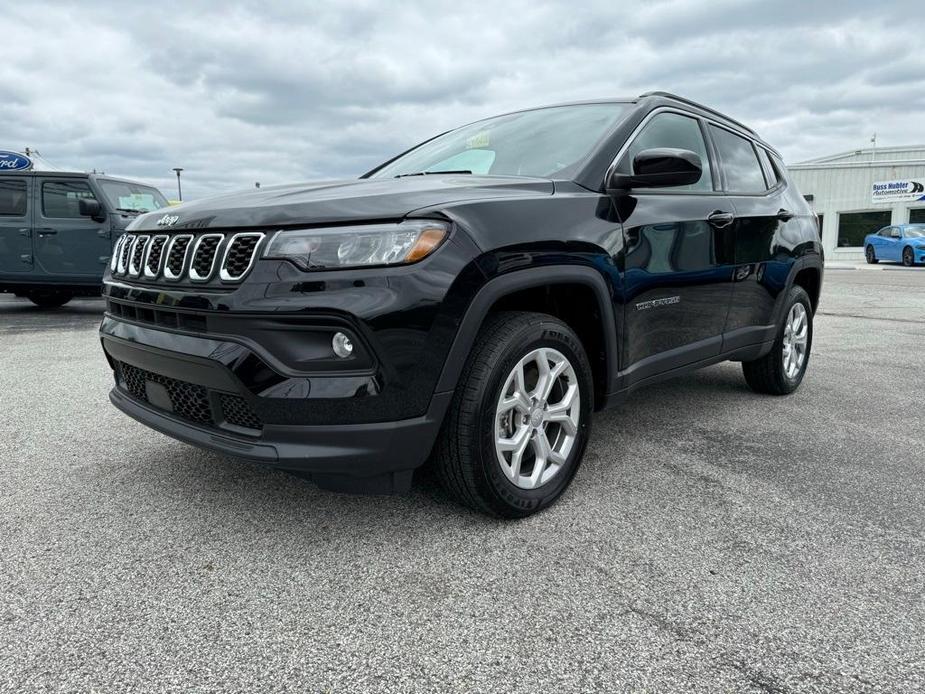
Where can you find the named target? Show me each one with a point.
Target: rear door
(677, 258)
(15, 224)
(68, 244)
(770, 215)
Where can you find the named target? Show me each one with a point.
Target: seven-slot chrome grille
(186, 257)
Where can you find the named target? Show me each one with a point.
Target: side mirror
(662, 167)
(895, 234)
(90, 208)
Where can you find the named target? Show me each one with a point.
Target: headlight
(359, 245)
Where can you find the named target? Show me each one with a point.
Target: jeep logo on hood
(168, 220)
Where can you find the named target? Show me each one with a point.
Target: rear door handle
(46, 231)
(784, 215)
(721, 219)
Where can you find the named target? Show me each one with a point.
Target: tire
(870, 256)
(770, 374)
(51, 299)
(468, 456)
(908, 257)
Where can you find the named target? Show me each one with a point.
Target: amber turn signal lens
(425, 245)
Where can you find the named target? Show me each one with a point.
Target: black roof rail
(689, 102)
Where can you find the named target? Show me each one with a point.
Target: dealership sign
(13, 161)
(902, 190)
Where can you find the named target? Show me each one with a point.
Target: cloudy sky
(261, 91)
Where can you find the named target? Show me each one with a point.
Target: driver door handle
(47, 231)
(721, 219)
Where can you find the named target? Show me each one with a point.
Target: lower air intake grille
(239, 413)
(189, 401)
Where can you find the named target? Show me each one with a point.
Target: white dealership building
(855, 193)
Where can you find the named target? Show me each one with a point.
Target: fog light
(342, 345)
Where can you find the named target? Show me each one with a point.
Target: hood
(338, 201)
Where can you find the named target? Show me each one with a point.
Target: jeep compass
(469, 303)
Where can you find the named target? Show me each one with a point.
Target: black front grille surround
(152, 264)
(191, 402)
(177, 250)
(205, 252)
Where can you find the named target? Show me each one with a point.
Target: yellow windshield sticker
(478, 141)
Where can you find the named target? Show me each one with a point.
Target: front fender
(516, 281)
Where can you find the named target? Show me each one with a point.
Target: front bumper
(229, 396)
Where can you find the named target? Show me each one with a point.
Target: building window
(854, 226)
(917, 215)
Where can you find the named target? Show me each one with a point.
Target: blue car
(903, 243)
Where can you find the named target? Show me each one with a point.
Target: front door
(15, 224)
(677, 259)
(68, 244)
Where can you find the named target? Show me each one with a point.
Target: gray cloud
(241, 92)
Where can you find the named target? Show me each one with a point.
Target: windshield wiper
(430, 173)
(131, 209)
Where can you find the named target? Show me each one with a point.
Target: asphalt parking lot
(714, 540)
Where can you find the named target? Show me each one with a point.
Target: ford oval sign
(12, 161)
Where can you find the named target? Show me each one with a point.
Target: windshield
(132, 196)
(544, 142)
(917, 232)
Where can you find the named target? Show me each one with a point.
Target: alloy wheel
(796, 339)
(536, 418)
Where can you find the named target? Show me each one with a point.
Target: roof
(908, 155)
(74, 174)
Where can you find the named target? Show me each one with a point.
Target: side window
(59, 198)
(770, 175)
(12, 197)
(886, 231)
(739, 161)
(672, 130)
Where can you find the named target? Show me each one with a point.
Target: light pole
(179, 190)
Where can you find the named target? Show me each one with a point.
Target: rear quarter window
(739, 162)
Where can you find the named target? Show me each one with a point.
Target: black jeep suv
(469, 302)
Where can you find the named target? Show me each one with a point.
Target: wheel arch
(513, 291)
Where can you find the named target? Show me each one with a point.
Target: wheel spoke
(517, 401)
(515, 442)
(542, 450)
(560, 412)
(542, 365)
(554, 375)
